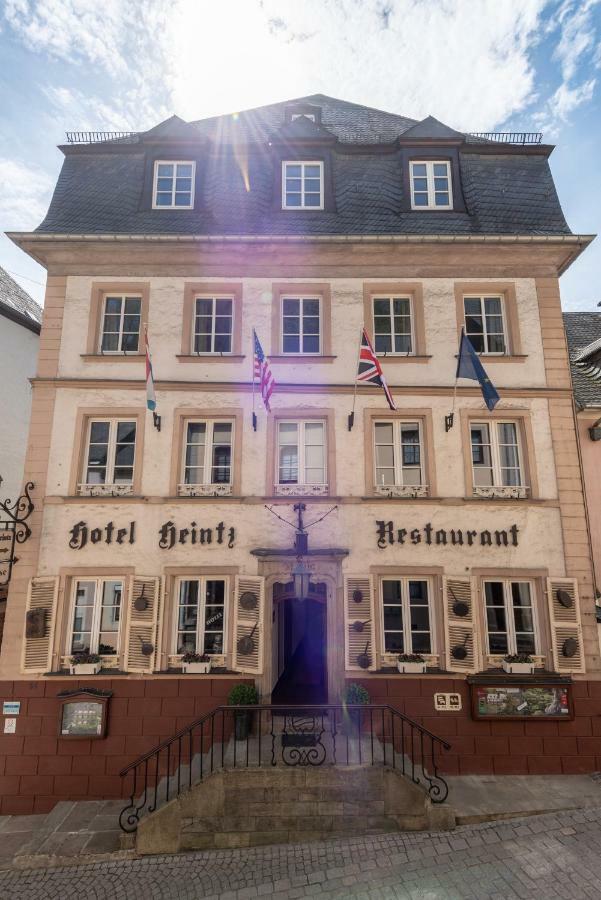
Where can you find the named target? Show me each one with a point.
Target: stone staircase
(298, 777)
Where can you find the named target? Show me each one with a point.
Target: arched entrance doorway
(300, 630)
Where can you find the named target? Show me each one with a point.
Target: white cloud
(25, 192)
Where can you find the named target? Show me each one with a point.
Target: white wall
(18, 355)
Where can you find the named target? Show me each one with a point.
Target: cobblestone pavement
(553, 856)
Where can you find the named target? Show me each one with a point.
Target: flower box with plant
(411, 663)
(85, 663)
(196, 663)
(243, 695)
(518, 664)
(354, 695)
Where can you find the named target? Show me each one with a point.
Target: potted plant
(85, 663)
(518, 664)
(243, 695)
(196, 663)
(411, 663)
(354, 695)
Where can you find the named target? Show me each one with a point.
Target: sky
(477, 65)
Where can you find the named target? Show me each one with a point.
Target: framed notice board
(83, 713)
(522, 701)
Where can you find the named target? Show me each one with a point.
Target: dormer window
(302, 184)
(431, 184)
(173, 184)
(306, 115)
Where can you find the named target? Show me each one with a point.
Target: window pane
(223, 307)
(311, 307)
(440, 169)
(202, 343)
(441, 199)
(520, 593)
(182, 199)
(496, 343)
(163, 200)
(293, 199)
(420, 184)
(312, 171)
(418, 168)
(99, 432)
(381, 307)
(291, 344)
(184, 169)
(126, 432)
(312, 200)
(293, 170)
(420, 199)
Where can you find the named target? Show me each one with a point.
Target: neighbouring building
(583, 331)
(20, 318)
(302, 220)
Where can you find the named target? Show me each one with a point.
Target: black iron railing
(100, 137)
(255, 736)
(505, 137)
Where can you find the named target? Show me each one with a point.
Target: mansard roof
(506, 189)
(583, 331)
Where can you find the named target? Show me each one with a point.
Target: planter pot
(413, 668)
(243, 722)
(196, 668)
(85, 668)
(513, 668)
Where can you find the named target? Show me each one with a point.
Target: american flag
(370, 370)
(262, 373)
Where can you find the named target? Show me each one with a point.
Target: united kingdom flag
(370, 370)
(262, 372)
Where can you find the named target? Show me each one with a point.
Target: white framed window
(407, 615)
(213, 324)
(301, 325)
(301, 456)
(398, 454)
(393, 325)
(510, 617)
(200, 622)
(173, 184)
(496, 455)
(431, 184)
(302, 185)
(485, 324)
(109, 455)
(96, 616)
(207, 457)
(121, 320)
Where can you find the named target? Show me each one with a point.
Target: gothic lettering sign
(7, 544)
(388, 535)
(169, 536)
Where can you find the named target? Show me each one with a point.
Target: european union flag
(469, 366)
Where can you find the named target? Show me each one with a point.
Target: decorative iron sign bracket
(14, 530)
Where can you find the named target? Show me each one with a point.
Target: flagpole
(449, 420)
(351, 418)
(156, 419)
(252, 362)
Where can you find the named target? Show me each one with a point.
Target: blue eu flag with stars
(469, 366)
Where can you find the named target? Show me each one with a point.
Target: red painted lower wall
(38, 768)
(499, 748)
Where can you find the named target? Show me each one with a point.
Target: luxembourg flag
(151, 400)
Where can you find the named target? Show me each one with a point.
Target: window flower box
(85, 664)
(411, 664)
(196, 664)
(518, 665)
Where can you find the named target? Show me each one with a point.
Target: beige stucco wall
(165, 333)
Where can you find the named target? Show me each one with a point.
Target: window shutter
(359, 629)
(143, 624)
(460, 626)
(39, 624)
(566, 629)
(249, 603)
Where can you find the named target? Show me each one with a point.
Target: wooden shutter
(249, 625)
(359, 626)
(39, 624)
(460, 629)
(143, 623)
(566, 628)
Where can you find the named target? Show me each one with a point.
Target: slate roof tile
(582, 328)
(14, 297)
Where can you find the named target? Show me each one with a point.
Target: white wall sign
(7, 537)
(11, 707)
(10, 726)
(447, 702)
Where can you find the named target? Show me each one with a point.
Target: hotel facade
(303, 221)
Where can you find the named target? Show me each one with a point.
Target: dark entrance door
(302, 656)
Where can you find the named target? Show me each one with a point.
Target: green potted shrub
(518, 664)
(353, 695)
(243, 695)
(85, 663)
(411, 663)
(196, 663)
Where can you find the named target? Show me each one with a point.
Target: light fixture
(302, 578)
